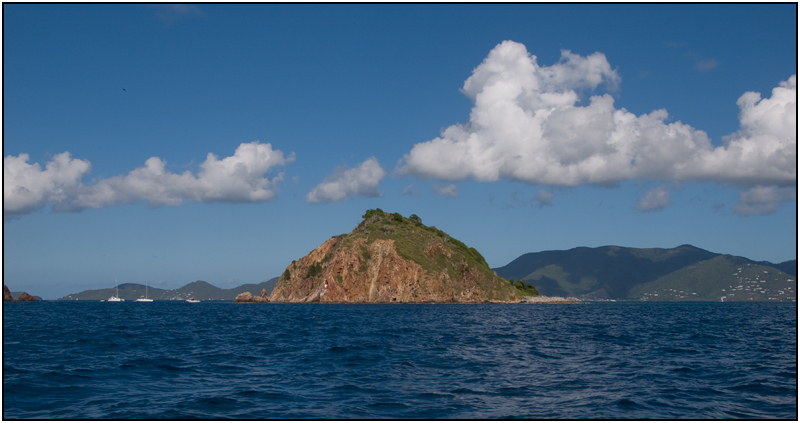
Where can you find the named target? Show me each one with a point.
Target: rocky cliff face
(7, 294)
(392, 259)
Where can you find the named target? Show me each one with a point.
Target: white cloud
(701, 63)
(705, 65)
(409, 190)
(763, 200)
(764, 149)
(346, 182)
(654, 199)
(235, 179)
(448, 191)
(526, 125)
(544, 198)
(26, 187)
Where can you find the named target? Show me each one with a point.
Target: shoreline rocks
(22, 297)
(25, 297)
(247, 297)
(542, 299)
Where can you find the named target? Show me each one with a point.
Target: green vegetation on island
(722, 278)
(392, 258)
(684, 273)
(411, 237)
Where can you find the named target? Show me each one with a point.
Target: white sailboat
(116, 297)
(145, 299)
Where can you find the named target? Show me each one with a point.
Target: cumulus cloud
(763, 200)
(527, 125)
(26, 187)
(346, 182)
(764, 149)
(236, 179)
(447, 191)
(654, 199)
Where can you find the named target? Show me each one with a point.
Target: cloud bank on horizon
(525, 125)
(240, 178)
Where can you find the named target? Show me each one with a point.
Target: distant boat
(116, 297)
(145, 299)
(192, 300)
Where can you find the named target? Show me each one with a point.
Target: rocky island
(22, 297)
(247, 297)
(389, 258)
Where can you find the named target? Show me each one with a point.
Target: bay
(174, 360)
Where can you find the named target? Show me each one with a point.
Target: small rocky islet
(247, 297)
(22, 297)
(389, 258)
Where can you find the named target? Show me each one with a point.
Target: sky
(174, 143)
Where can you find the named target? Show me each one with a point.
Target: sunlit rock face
(246, 297)
(26, 297)
(391, 259)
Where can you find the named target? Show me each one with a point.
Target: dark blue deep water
(173, 360)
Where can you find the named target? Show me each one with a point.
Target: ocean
(213, 360)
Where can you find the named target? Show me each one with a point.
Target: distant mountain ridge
(609, 272)
(789, 266)
(613, 272)
(200, 290)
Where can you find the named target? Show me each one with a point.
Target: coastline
(542, 299)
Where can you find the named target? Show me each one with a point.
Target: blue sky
(515, 128)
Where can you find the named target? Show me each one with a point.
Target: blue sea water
(173, 360)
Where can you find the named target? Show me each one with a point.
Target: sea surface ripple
(172, 360)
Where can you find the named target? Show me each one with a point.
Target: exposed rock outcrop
(22, 297)
(26, 297)
(391, 259)
(542, 299)
(246, 297)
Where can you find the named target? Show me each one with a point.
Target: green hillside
(789, 267)
(599, 273)
(411, 237)
(686, 273)
(722, 278)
